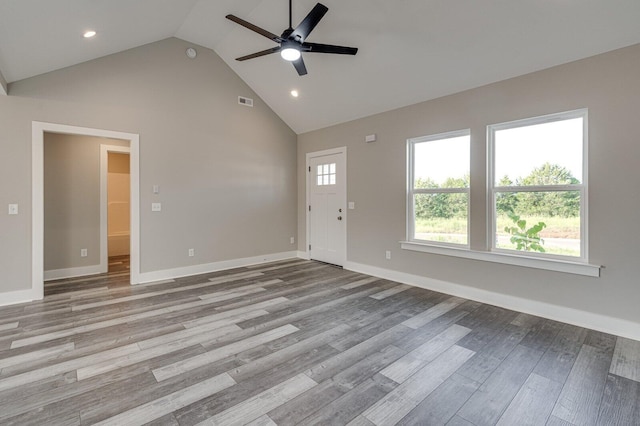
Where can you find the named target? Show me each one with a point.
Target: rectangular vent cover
(245, 101)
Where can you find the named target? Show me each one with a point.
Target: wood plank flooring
(299, 342)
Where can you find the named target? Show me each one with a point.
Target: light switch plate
(13, 209)
(156, 207)
(352, 205)
(156, 189)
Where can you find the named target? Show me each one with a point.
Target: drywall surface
(72, 199)
(226, 172)
(606, 84)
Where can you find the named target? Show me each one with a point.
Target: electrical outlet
(156, 207)
(192, 252)
(292, 240)
(13, 209)
(388, 254)
(83, 253)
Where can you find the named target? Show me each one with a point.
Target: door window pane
(326, 174)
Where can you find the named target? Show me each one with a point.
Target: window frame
(411, 191)
(493, 189)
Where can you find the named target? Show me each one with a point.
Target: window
(326, 174)
(536, 189)
(537, 185)
(438, 189)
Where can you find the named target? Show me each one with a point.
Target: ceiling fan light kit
(292, 41)
(290, 54)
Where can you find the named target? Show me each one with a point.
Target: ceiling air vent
(245, 101)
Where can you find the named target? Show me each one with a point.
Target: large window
(537, 185)
(438, 189)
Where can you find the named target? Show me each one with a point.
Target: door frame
(38, 129)
(341, 150)
(104, 174)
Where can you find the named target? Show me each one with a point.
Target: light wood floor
(295, 343)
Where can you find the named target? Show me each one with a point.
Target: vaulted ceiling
(409, 50)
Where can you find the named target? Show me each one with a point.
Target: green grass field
(565, 232)
(557, 227)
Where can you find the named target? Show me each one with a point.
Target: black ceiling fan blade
(307, 25)
(328, 48)
(261, 53)
(255, 28)
(298, 64)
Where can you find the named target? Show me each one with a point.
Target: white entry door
(327, 207)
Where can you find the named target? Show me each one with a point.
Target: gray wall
(226, 172)
(72, 199)
(608, 85)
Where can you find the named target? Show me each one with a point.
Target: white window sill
(568, 267)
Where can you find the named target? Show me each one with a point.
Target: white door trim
(104, 172)
(38, 130)
(341, 150)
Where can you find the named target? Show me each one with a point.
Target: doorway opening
(115, 208)
(39, 129)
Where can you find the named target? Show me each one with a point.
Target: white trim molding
(577, 268)
(166, 274)
(38, 130)
(15, 297)
(80, 271)
(303, 255)
(612, 325)
(4, 89)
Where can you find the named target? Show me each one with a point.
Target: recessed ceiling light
(294, 93)
(89, 34)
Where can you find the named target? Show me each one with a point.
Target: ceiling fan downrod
(290, 17)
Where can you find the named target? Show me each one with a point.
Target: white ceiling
(409, 50)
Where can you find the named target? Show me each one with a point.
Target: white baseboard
(19, 296)
(611, 325)
(303, 255)
(166, 274)
(58, 274)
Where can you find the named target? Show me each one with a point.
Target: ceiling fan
(292, 41)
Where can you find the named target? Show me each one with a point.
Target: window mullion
(440, 190)
(539, 188)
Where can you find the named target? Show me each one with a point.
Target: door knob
(339, 217)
